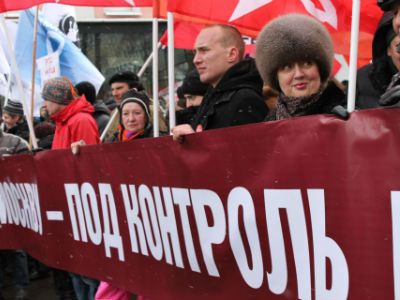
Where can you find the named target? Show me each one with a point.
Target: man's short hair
(128, 77)
(87, 89)
(231, 37)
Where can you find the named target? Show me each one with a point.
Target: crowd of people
(290, 76)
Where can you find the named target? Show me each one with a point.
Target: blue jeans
(85, 288)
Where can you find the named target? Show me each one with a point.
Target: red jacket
(75, 122)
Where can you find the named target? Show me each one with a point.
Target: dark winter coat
(374, 78)
(12, 144)
(372, 81)
(185, 116)
(332, 96)
(101, 115)
(46, 142)
(20, 129)
(236, 100)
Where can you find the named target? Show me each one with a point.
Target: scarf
(127, 135)
(288, 107)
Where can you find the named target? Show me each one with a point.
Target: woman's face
(133, 117)
(300, 79)
(392, 52)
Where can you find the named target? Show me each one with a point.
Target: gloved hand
(341, 112)
(391, 97)
(36, 150)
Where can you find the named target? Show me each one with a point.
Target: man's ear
(233, 54)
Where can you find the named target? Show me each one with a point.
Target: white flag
(63, 17)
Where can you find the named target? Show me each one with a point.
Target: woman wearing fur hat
(294, 56)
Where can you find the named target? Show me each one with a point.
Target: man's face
(118, 89)
(193, 100)
(53, 107)
(396, 17)
(211, 57)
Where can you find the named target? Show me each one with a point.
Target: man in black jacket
(392, 94)
(374, 78)
(235, 95)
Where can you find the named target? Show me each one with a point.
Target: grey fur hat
(293, 38)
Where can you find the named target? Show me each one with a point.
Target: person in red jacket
(71, 113)
(74, 122)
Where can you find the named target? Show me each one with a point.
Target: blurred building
(120, 38)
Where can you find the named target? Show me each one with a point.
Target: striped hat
(137, 97)
(59, 90)
(13, 108)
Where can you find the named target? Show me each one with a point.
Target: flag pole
(147, 62)
(15, 70)
(171, 70)
(34, 48)
(156, 102)
(355, 27)
(8, 89)
(155, 45)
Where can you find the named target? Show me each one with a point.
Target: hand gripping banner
(307, 208)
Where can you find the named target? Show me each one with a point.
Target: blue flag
(50, 40)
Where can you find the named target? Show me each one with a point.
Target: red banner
(253, 15)
(24, 4)
(307, 208)
(185, 34)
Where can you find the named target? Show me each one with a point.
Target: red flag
(23, 4)
(253, 15)
(185, 34)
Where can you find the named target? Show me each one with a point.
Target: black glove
(391, 97)
(341, 112)
(36, 150)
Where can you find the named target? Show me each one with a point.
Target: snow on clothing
(12, 144)
(20, 129)
(320, 103)
(374, 78)
(74, 123)
(236, 100)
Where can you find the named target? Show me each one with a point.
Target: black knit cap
(128, 77)
(383, 36)
(192, 85)
(386, 5)
(13, 108)
(136, 97)
(87, 89)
